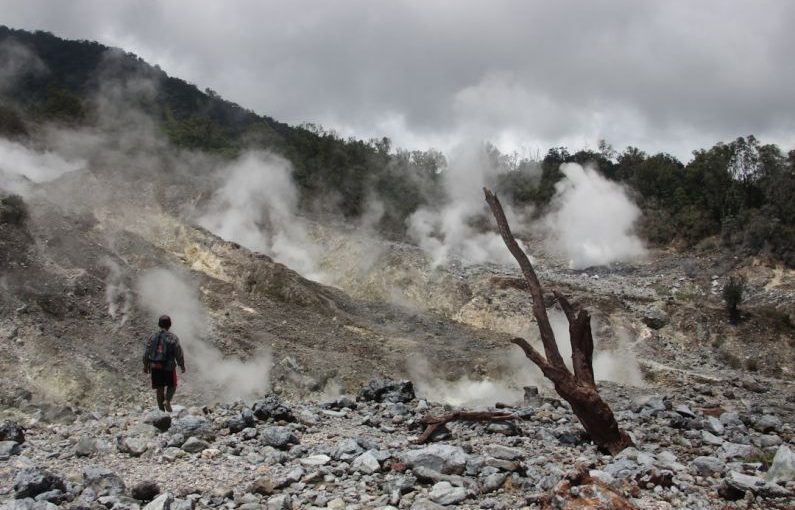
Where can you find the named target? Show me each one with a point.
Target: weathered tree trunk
(579, 388)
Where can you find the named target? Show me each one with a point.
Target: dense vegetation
(739, 194)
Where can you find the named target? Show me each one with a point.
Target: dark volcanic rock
(145, 491)
(161, 420)
(11, 431)
(32, 481)
(387, 390)
(271, 407)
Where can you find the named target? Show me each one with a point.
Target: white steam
(592, 219)
(163, 292)
(448, 232)
(117, 294)
(21, 167)
(257, 207)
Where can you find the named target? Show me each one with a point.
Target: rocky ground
(710, 404)
(697, 446)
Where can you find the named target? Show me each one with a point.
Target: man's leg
(170, 390)
(160, 398)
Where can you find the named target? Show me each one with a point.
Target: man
(163, 354)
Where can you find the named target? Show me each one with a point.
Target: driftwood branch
(434, 422)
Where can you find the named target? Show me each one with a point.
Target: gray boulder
(32, 481)
(768, 423)
(280, 502)
(445, 494)
(278, 437)
(783, 467)
(706, 466)
(103, 481)
(192, 425)
(159, 419)
(654, 317)
(133, 446)
(86, 447)
(443, 458)
(737, 484)
(366, 463)
(195, 445)
(8, 448)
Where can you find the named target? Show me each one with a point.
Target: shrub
(13, 210)
(733, 296)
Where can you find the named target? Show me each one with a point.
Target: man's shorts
(162, 378)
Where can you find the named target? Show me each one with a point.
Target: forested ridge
(736, 195)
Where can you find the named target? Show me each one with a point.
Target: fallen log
(433, 422)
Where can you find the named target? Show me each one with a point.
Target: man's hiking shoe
(167, 406)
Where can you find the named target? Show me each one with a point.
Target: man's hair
(164, 321)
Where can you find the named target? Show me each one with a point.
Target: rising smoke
(21, 167)
(592, 219)
(162, 291)
(257, 207)
(448, 231)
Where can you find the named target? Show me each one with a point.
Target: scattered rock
(737, 484)
(387, 390)
(162, 502)
(133, 446)
(8, 448)
(86, 447)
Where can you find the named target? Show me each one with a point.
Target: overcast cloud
(665, 76)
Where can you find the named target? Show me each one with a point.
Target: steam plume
(592, 219)
(447, 231)
(256, 206)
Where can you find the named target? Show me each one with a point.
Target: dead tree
(579, 388)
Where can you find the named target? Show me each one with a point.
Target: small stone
(315, 460)
(444, 493)
(280, 502)
(8, 449)
(195, 445)
(133, 446)
(263, 486)
(366, 463)
(443, 458)
(768, 423)
(162, 502)
(86, 447)
(707, 466)
(494, 481)
(102, 481)
(714, 425)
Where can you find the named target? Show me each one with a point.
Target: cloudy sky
(664, 76)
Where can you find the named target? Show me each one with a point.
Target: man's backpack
(160, 351)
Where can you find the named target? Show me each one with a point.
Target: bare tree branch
(539, 310)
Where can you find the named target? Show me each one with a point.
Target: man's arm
(146, 357)
(178, 354)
